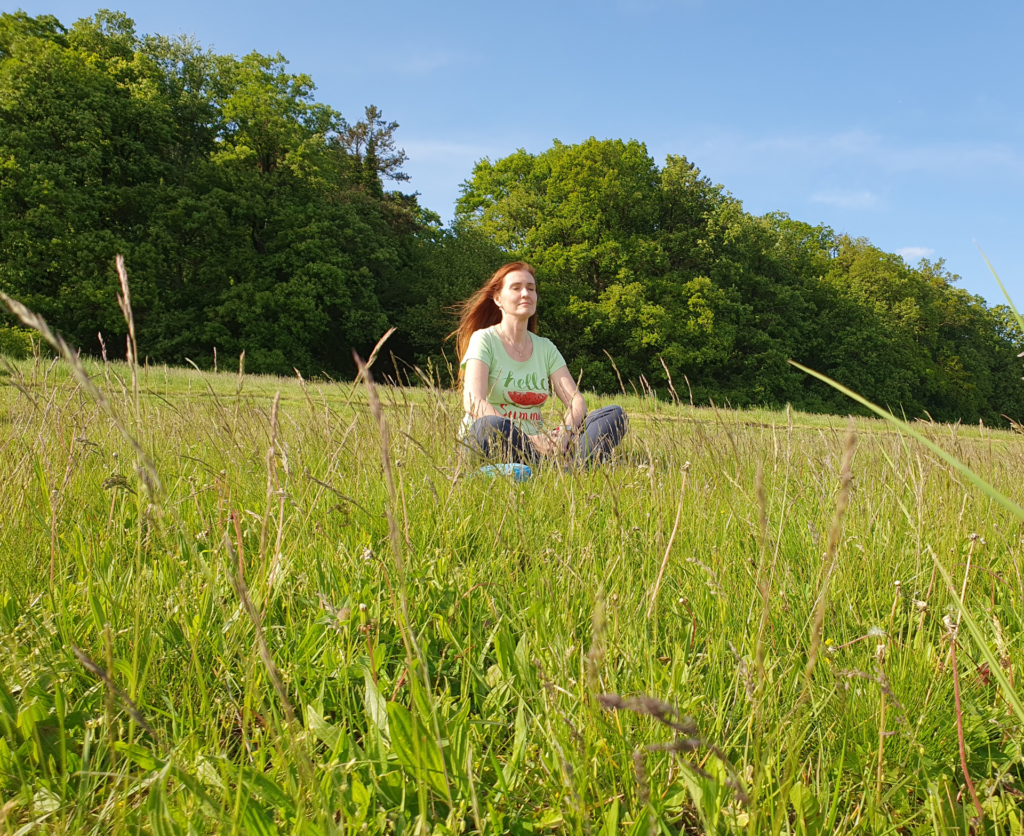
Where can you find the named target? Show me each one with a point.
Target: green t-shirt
(516, 389)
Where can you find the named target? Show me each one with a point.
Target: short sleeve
(479, 349)
(555, 361)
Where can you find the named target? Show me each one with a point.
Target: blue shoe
(519, 472)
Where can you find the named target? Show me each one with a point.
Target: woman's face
(518, 295)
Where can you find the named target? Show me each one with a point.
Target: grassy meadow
(294, 619)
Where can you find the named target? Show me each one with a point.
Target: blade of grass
(952, 461)
(1002, 287)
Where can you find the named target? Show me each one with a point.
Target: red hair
(479, 310)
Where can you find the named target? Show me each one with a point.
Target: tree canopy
(255, 218)
(252, 217)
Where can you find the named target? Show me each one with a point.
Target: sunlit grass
(525, 603)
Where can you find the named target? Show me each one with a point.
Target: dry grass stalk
(367, 364)
(274, 451)
(147, 469)
(412, 647)
(113, 689)
(951, 636)
(389, 477)
(762, 579)
(671, 540)
(237, 579)
(595, 656)
(124, 302)
(668, 376)
(974, 539)
(686, 738)
(619, 376)
(17, 378)
(834, 533)
(829, 563)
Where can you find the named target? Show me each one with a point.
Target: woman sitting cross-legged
(507, 372)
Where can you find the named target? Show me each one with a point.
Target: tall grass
(311, 618)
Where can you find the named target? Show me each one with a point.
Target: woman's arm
(568, 394)
(575, 411)
(474, 390)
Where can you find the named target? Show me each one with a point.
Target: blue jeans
(499, 438)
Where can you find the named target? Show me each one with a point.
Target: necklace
(519, 351)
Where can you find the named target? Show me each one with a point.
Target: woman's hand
(561, 438)
(553, 442)
(544, 444)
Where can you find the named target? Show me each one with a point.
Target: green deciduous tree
(248, 219)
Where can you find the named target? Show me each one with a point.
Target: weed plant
(251, 605)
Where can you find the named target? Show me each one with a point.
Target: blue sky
(902, 122)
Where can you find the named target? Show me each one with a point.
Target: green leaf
(327, 733)
(139, 755)
(505, 650)
(641, 826)
(610, 823)
(358, 802)
(459, 755)
(256, 820)
(707, 796)
(267, 791)
(8, 709)
(415, 747)
(808, 812)
(376, 706)
(510, 772)
(160, 820)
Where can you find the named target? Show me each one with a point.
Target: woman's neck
(515, 328)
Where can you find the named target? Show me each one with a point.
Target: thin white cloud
(421, 62)
(816, 151)
(847, 200)
(655, 6)
(915, 253)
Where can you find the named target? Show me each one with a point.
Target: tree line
(253, 217)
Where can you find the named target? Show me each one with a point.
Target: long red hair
(479, 310)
